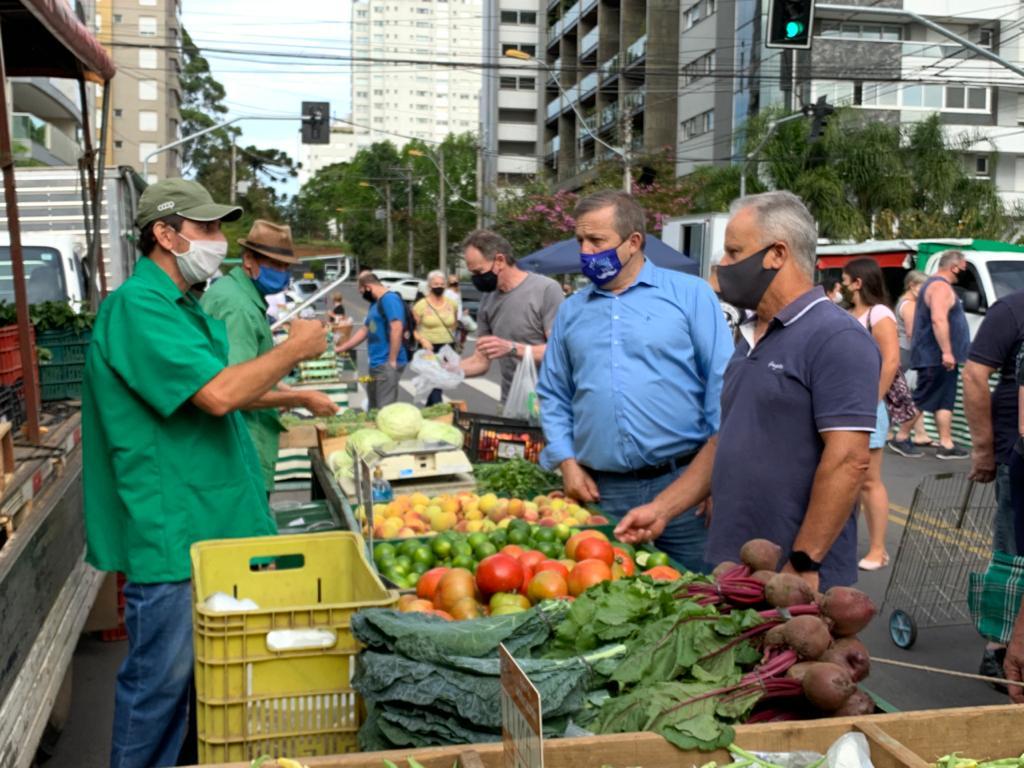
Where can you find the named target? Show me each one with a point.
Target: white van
(54, 268)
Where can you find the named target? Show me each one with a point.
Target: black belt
(649, 473)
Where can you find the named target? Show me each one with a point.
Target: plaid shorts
(994, 597)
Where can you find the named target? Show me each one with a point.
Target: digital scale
(411, 462)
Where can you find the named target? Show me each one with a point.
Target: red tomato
(595, 549)
(532, 558)
(586, 574)
(624, 561)
(546, 585)
(427, 585)
(552, 565)
(499, 573)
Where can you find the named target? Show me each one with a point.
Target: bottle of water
(382, 490)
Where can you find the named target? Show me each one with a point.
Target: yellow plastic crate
(297, 703)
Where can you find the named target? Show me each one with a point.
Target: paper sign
(521, 731)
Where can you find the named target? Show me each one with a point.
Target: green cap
(184, 198)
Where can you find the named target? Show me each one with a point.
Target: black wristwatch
(802, 562)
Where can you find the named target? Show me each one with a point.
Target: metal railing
(569, 18)
(27, 129)
(553, 145)
(590, 41)
(637, 50)
(609, 116)
(610, 67)
(588, 85)
(555, 106)
(635, 100)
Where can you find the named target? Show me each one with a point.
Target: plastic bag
(522, 395)
(435, 370)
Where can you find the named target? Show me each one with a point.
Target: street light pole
(408, 170)
(442, 218)
(387, 220)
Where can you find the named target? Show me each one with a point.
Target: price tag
(521, 722)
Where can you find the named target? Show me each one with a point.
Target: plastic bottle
(382, 490)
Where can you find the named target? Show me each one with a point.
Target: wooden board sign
(521, 721)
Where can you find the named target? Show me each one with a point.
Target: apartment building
(614, 65)
(893, 68)
(144, 39)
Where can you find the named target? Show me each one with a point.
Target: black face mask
(486, 282)
(439, 291)
(744, 283)
(368, 296)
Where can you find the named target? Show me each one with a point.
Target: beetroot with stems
(723, 568)
(763, 576)
(776, 636)
(827, 686)
(848, 609)
(761, 555)
(850, 652)
(787, 589)
(807, 635)
(858, 704)
(798, 670)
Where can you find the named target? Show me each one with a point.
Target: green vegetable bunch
(515, 479)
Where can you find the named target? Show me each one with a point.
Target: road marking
(901, 516)
(486, 387)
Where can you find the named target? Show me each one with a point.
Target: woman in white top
(906, 305)
(864, 290)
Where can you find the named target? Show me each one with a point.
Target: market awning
(44, 37)
(897, 259)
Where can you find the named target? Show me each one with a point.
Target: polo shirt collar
(248, 287)
(648, 275)
(801, 305)
(148, 272)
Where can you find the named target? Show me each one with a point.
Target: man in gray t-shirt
(517, 310)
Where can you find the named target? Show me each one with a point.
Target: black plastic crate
(493, 438)
(12, 403)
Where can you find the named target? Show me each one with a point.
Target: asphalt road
(85, 743)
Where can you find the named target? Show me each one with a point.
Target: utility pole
(480, 183)
(408, 170)
(442, 219)
(234, 175)
(627, 150)
(387, 220)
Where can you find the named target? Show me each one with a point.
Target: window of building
(527, 116)
(117, 18)
(147, 26)
(698, 125)
(710, 7)
(99, 23)
(855, 31)
(692, 16)
(146, 148)
(509, 83)
(986, 36)
(118, 144)
(148, 120)
(981, 166)
(148, 3)
(518, 17)
(837, 91)
(700, 67)
(147, 58)
(147, 90)
(530, 50)
(527, 148)
(118, 112)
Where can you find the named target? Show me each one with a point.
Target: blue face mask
(271, 280)
(602, 267)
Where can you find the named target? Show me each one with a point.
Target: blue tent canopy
(564, 258)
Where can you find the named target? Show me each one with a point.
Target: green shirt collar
(248, 287)
(152, 275)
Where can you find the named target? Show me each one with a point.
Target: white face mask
(202, 260)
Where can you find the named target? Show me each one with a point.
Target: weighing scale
(409, 462)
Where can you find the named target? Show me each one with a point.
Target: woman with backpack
(437, 320)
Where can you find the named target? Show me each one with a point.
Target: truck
(53, 232)
(700, 236)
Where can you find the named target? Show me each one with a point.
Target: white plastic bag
(522, 395)
(435, 370)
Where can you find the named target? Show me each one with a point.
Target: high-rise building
(615, 61)
(892, 67)
(144, 39)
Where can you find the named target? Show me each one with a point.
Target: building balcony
(588, 85)
(636, 52)
(588, 6)
(588, 46)
(608, 117)
(37, 141)
(551, 148)
(555, 107)
(634, 101)
(565, 23)
(554, 71)
(46, 98)
(610, 69)
(552, 4)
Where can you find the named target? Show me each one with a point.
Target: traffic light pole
(772, 125)
(924, 21)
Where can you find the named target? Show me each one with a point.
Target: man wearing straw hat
(239, 299)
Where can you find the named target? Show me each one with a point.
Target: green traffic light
(794, 29)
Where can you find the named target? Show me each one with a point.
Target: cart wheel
(902, 629)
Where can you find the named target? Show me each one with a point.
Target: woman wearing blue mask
(239, 299)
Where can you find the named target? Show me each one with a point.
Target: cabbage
(435, 431)
(402, 421)
(340, 463)
(365, 440)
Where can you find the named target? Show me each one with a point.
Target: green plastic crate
(61, 373)
(68, 390)
(65, 346)
(305, 518)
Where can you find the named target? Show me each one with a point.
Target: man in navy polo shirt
(798, 405)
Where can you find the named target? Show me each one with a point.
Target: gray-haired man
(798, 405)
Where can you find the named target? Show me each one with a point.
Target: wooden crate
(299, 436)
(901, 740)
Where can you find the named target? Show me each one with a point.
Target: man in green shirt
(238, 300)
(168, 460)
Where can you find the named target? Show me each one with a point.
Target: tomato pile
(462, 577)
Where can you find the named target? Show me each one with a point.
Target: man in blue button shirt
(632, 377)
(798, 405)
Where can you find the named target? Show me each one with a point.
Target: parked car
(305, 288)
(409, 288)
(470, 298)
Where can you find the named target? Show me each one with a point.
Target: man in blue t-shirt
(385, 329)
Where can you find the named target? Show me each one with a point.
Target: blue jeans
(1004, 539)
(1015, 482)
(683, 539)
(154, 684)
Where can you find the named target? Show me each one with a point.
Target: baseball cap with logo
(188, 199)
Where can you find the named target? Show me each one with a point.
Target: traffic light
(789, 23)
(316, 122)
(821, 110)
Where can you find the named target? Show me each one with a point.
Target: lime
(464, 561)
(476, 539)
(519, 524)
(397, 569)
(462, 549)
(423, 556)
(562, 532)
(543, 533)
(404, 560)
(499, 538)
(485, 550)
(409, 546)
(441, 547)
(551, 549)
(517, 535)
(420, 568)
(383, 553)
(657, 558)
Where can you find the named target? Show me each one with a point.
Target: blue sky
(274, 87)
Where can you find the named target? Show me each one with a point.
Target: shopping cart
(947, 536)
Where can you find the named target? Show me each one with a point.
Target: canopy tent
(563, 258)
(45, 38)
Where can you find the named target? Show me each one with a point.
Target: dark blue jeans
(1007, 503)
(154, 684)
(1015, 481)
(684, 538)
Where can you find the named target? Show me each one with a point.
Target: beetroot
(763, 576)
(849, 610)
(798, 670)
(827, 686)
(786, 589)
(775, 636)
(807, 635)
(850, 652)
(761, 555)
(858, 704)
(723, 568)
